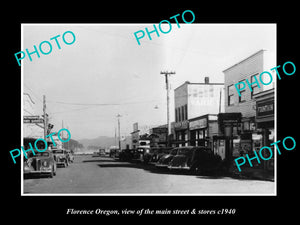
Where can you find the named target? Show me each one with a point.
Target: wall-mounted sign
(32, 119)
(198, 124)
(265, 108)
(181, 125)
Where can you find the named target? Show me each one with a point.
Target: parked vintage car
(157, 152)
(140, 152)
(40, 163)
(126, 154)
(195, 159)
(60, 156)
(114, 152)
(101, 151)
(95, 154)
(166, 158)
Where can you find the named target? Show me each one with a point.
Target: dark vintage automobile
(140, 152)
(102, 152)
(126, 154)
(114, 152)
(41, 163)
(166, 158)
(195, 159)
(156, 153)
(61, 157)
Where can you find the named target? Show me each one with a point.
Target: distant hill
(72, 144)
(103, 142)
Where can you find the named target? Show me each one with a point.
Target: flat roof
(188, 83)
(244, 59)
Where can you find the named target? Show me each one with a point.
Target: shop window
(230, 95)
(242, 92)
(201, 134)
(246, 125)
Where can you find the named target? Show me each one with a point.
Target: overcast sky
(105, 65)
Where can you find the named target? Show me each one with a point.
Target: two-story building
(196, 105)
(255, 103)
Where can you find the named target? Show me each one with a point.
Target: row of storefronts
(214, 115)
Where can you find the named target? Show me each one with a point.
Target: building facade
(135, 137)
(265, 114)
(158, 136)
(240, 72)
(256, 104)
(202, 129)
(193, 100)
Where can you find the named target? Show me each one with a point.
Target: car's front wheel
(51, 174)
(54, 170)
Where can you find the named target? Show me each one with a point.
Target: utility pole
(220, 102)
(115, 136)
(166, 73)
(45, 118)
(62, 126)
(119, 131)
(68, 146)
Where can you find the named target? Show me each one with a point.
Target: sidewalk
(253, 173)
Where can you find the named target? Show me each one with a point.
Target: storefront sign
(229, 118)
(181, 125)
(31, 117)
(265, 108)
(198, 124)
(159, 130)
(34, 121)
(229, 123)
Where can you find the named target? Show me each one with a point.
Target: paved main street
(104, 175)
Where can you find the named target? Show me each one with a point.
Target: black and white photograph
(149, 112)
(163, 116)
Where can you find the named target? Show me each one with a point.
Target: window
(183, 114)
(186, 115)
(242, 92)
(254, 87)
(176, 115)
(179, 114)
(246, 125)
(230, 95)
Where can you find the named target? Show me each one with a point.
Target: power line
(33, 93)
(101, 104)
